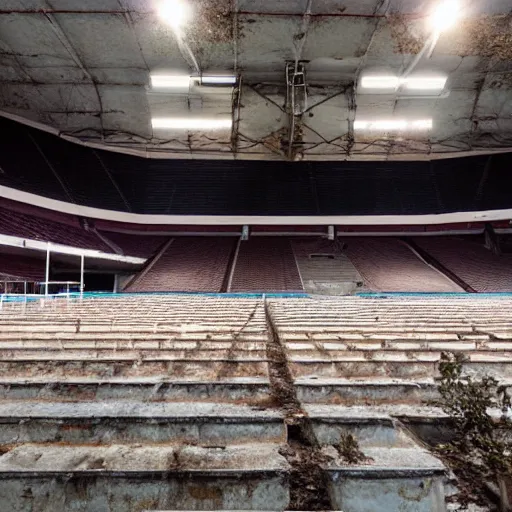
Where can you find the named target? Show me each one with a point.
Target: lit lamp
(174, 12)
(445, 15)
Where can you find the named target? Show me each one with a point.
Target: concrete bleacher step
(400, 367)
(125, 478)
(115, 422)
(373, 427)
(115, 354)
(405, 479)
(369, 391)
(188, 377)
(399, 474)
(161, 368)
(247, 390)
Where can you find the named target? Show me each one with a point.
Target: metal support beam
(47, 275)
(63, 185)
(296, 103)
(492, 241)
(236, 106)
(113, 181)
(82, 265)
(296, 89)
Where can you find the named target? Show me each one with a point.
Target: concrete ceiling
(82, 69)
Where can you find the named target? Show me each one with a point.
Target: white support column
(82, 265)
(47, 270)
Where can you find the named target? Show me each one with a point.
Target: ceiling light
(393, 125)
(380, 82)
(421, 124)
(393, 82)
(425, 82)
(170, 81)
(388, 125)
(218, 80)
(174, 12)
(186, 123)
(445, 15)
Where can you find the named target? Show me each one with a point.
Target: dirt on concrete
(308, 480)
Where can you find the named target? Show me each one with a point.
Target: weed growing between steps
(349, 450)
(481, 450)
(308, 481)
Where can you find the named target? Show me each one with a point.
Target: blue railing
(284, 295)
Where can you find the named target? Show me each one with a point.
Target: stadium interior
(239, 242)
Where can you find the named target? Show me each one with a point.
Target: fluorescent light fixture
(190, 123)
(170, 81)
(425, 83)
(380, 82)
(393, 125)
(388, 125)
(218, 80)
(421, 124)
(174, 12)
(414, 83)
(445, 15)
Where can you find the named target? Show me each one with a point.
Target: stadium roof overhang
(82, 69)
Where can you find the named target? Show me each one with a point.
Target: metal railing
(63, 287)
(30, 290)
(17, 287)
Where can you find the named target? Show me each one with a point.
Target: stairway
(198, 403)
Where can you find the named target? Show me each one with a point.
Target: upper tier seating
(36, 228)
(189, 265)
(266, 265)
(142, 246)
(473, 263)
(388, 265)
(21, 268)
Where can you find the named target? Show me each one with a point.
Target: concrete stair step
(132, 355)
(393, 356)
(389, 346)
(371, 426)
(400, 368)
(248, 356)
(20, 354)
(124, 422)
(205, 370)
(403, 336)
(370, 391)
(183, 337)
(125, 478)
(250, 391)
(138, 328)
(405, 479)
(396, 330)
(391, 425)
(215, 347)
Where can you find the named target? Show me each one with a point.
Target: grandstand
(237, 241)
